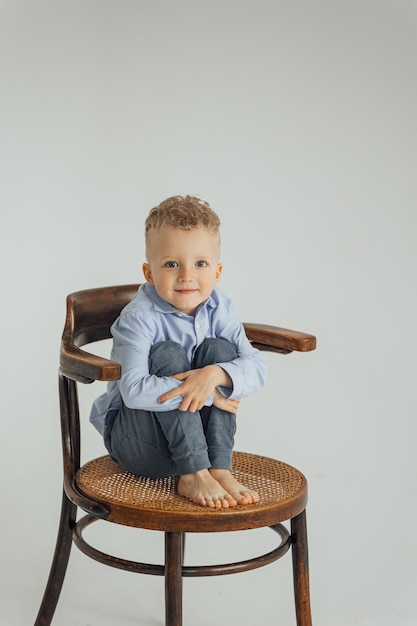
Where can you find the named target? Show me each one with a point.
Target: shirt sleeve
(248, 370)
(133, 338)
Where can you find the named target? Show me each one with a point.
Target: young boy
(186, 362)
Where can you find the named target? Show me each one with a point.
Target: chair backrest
(90, 314)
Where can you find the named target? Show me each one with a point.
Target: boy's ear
(147, 273)
(219, 271)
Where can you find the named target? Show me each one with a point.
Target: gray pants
(172, 443)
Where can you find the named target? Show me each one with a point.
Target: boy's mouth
(186, 291)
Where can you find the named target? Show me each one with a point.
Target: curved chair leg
(59, 563)
(174, 555)
(300, 569)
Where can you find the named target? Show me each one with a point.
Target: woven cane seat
(155, 504)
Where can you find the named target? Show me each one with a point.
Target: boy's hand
(224, 403)
(198, 385)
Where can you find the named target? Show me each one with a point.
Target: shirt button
(197, 325)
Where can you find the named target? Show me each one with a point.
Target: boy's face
(183, 266)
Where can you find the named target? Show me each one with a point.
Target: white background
(296, 120)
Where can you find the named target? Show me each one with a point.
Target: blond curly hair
(185, 212)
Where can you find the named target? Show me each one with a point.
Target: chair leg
(300, 569)
(59, 563)
(183, 547)
(174, 554)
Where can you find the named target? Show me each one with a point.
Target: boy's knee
(215, 350)
(167, 358)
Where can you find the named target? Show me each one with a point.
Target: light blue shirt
(148, 319)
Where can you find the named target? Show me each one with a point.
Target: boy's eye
(201, 263)
(171, 264)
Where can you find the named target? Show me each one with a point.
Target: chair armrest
(85, 367)
(275, 339)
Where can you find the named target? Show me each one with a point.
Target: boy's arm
(248, 371)
(133, 338)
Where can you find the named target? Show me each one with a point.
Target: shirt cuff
(236, 377)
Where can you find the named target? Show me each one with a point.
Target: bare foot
(239, 492)
(203, 489)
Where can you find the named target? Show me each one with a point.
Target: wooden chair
(106, 492)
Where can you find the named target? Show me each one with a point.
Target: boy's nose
(186, 275)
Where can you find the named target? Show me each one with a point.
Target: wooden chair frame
(90, 314)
